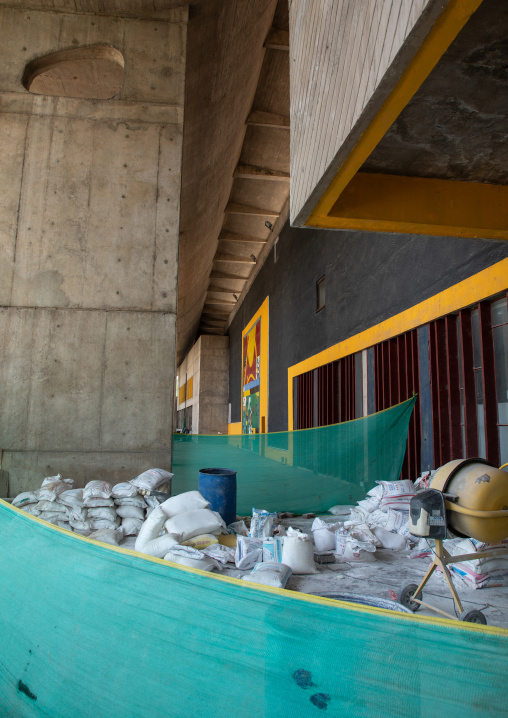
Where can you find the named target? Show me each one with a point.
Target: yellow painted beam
(472, 290)
(445, 29)
(415, 205)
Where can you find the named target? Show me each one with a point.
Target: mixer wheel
(405, 595)
(473, 616)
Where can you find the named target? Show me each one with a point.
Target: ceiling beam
(233, 259)
(219, 302)
(277, 39)
(233, 208)
(226, 236)
(260, 173)
(224, 275)
(268, 119)
(221, 290)
(216, 313)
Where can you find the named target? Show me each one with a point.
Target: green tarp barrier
(300, 471)
(87, 631)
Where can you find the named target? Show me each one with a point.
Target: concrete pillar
(89, 222)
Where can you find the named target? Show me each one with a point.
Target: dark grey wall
(369, 278)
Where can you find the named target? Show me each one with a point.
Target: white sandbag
(203, 564)
(130, 512)
(269, 574)
(102, 512)
(340, 509)
(151, 479)
(72, 498)
(24, 499)
(30, 509)
(81, 526)
(397, 494)
(149, 541)
(77, 514)
(262, 523)
(95, 503)
(324, 534)
(96, 524)
(64, 525)
(97, 490)
(51, 480)
(51, 506)
(194, 523)
(81, 532)
(124, 490)
(249, 551)
(348, 549)
(394, 541)
(131, 527)
(298, 552)
(181, 503)
(238, 528)
(50, 516)
(111, 536)
(138, 501)
(51, 490)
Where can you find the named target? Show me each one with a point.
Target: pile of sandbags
(98, 507)
(482, 572)
(378, 521)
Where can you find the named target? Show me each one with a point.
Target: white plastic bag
(151, 479)
(324, 534)
(272, 549)
(269, 574)
(102, 512)
(131, 527)
(223, 554)
(262, 523)
(181, 503)
(138, 501)
(194, 523)
(389, 540)
(24, 499)
(51, 490)
(298, 552)
(51, 506)
(111, 536)
(95, 503)
(203, 563)
(72, 498)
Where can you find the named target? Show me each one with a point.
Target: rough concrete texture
(442, 132)
(89, 222)
(208, 364)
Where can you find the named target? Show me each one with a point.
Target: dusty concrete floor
(390, 571)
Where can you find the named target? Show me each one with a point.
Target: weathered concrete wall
(208, 365)
(89, 221)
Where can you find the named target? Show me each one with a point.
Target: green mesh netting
(299, 471)
(89, 632)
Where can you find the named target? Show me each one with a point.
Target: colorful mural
(251, 366)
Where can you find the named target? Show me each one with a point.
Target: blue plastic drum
(218, 486)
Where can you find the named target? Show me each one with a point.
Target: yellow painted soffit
(472, 290)
(445, 29)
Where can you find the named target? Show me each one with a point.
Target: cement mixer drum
(481, 508)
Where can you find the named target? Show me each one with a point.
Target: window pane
(500, 336)
(480, 413)
(500, 312)
(475, 320)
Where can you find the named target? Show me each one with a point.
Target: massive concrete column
(89, 221)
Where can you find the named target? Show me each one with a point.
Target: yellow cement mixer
(468, 498)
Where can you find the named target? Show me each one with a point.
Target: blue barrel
(218, 486)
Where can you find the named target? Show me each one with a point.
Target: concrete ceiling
(456, 125)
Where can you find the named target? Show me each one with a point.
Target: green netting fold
(299, 471)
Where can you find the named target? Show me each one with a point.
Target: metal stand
(410, 596)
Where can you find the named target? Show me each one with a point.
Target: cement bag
(324, 535)
(223, 554)
(124, 490)
(151, 479)
(130, 512)
(195, 523)
(262, 523)
(272, 549)
(51, 490)
(203, 563)
(249, 551)
(200, 542)
(149, 541)
(102, 512)
(349, 549)
(111, 536)
(396, 494)
(81, 527)
(97, 490)
(298, 552)
(73, 498)
(77, 514)
(24, 499)
(180, 504)
(269, 574)
(30, 509)
(50, 516)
